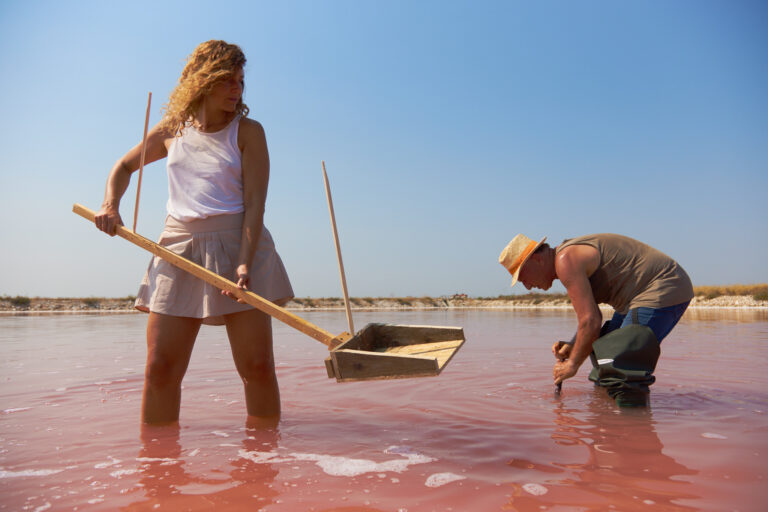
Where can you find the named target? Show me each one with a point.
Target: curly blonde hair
(211, 62)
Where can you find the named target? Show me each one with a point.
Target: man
(643, 285)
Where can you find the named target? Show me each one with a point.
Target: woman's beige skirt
(213, 243)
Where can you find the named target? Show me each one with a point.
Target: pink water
(486, 435)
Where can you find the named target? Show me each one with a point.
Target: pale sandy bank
(12, 305)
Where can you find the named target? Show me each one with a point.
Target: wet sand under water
(486, 435)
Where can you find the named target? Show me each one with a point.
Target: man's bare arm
(574, 265)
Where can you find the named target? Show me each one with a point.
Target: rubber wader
(623, 363)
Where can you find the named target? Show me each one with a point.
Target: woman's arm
(108, 217)
(253, 143)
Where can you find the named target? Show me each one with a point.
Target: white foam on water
(535, 489)
(28, 472)
(163, 461)
(400, 450)
(123, 472)
(112, 462)
(193, 452)
(15, 409)
(340, 466)
(344, 466)
(263, 457)
(710, 435)
(43, 507)
(220, 433)
(439, 479)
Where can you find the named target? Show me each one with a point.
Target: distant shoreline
(23, 305)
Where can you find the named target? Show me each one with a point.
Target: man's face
(533, 274)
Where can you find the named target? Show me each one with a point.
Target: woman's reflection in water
(625, 469)
(167, 482)
(160, 464)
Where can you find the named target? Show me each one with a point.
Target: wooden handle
(141, 163)
(338, 251)
(216, 280)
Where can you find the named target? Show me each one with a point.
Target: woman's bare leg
(169, 346)
(250, 336)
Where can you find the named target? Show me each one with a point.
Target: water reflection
(726, 315)
(492, 402)
(161, 467)
(167, 483)
(625, 467)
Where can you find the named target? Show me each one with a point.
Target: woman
(218, 172)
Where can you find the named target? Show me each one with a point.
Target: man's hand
(564, 370)
(562, 350)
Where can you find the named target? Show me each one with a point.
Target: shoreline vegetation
(731, 296)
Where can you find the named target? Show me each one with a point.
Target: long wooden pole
(338, 251)
(141, 162)
(216, 280)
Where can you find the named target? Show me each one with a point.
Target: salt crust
(343, 466)
(164, 461)
(15, 409)
(123, 472)
(535, 489)
(28, 472)
(113, 462)
(439, 479)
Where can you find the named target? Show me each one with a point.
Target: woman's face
(227, 93)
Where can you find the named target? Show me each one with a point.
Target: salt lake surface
(486, 435)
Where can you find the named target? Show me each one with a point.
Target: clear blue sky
(447, 127)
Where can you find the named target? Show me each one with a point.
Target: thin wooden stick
(141, 162)
(338, 252)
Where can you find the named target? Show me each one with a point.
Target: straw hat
(516, 253)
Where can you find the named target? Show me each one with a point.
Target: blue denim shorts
(660, 320)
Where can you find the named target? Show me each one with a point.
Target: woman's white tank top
(205, 174)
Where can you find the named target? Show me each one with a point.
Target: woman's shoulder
(249, 125)
(250, 132)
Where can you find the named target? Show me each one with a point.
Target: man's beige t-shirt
(632, 274)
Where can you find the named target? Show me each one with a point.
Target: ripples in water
(488, 434)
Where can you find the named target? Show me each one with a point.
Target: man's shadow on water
(163, 475)
(625, 467)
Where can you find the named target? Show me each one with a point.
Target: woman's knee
(169, 346)
(256, 370)
(163, 371)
